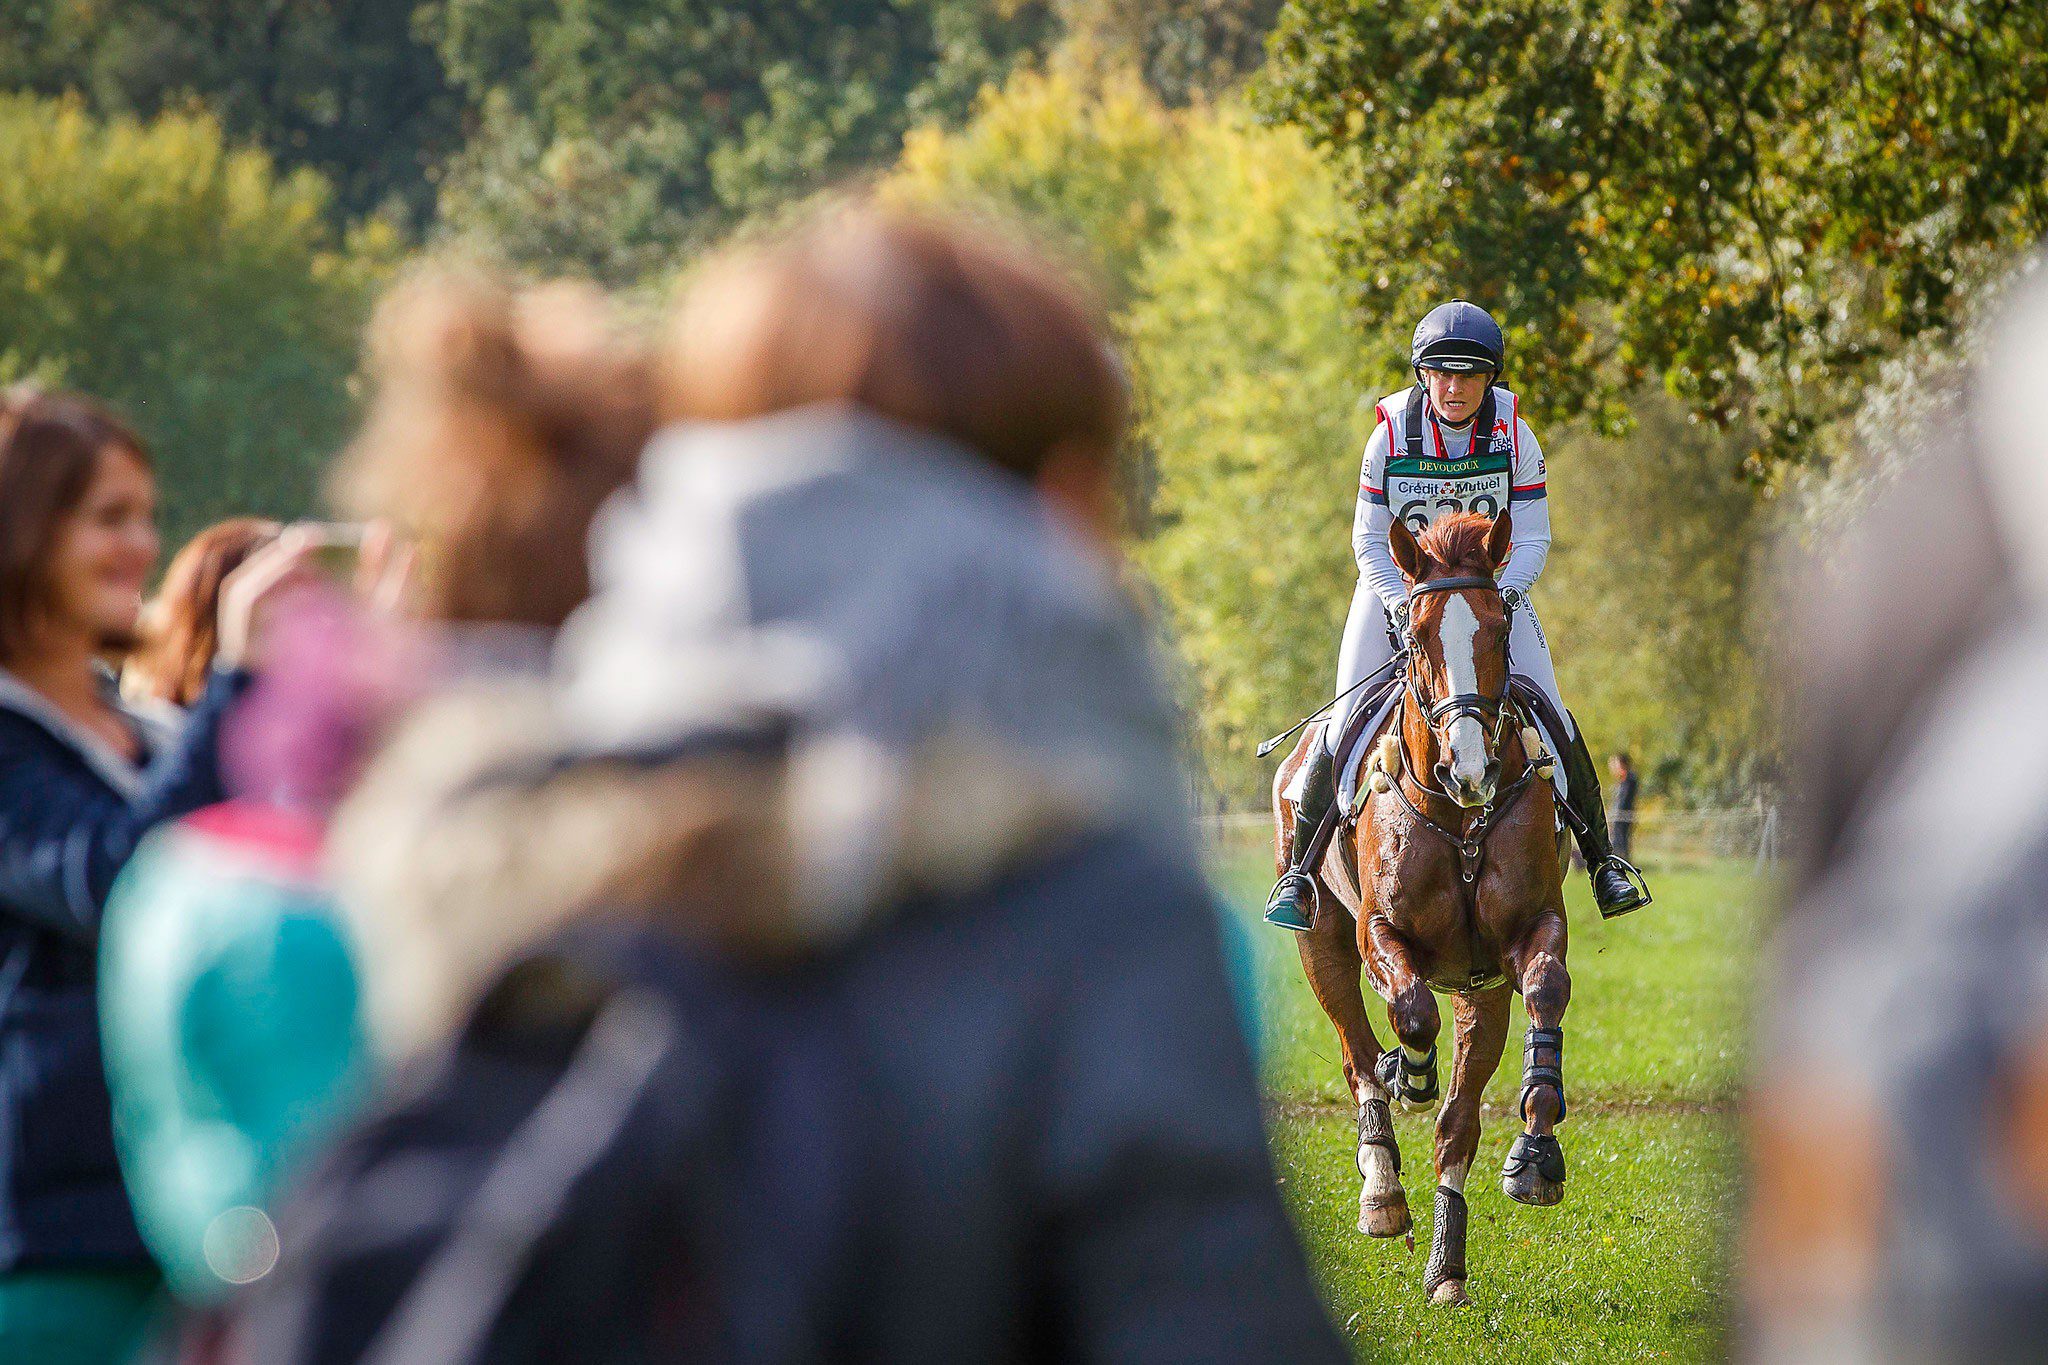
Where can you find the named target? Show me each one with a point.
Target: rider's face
(1456, 396)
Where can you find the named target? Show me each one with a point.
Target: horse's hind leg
(1481, 1021)
(1329, 957)
(1534, 1173)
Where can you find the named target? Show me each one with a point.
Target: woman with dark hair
(499, 419)
(181, 624)
(824, 971)
(82, 778)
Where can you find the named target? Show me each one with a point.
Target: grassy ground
(1629, 1267)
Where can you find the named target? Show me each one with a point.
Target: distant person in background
(1622, 825)
(1898, 1109)
(864, 1002)
(181, 624)
(82, 779)
(500, 418)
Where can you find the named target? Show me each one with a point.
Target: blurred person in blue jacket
(82, 779)
(821, 969)
(500, 418)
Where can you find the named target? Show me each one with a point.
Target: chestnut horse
(1451, 880)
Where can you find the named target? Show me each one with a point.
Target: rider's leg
(1364, 649)
(1613, 891)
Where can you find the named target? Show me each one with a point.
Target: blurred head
(930, 322)
(78, 534)
(501, 419)
(1618, 764)
(181, 628)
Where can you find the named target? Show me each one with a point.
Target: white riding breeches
(1367, 647)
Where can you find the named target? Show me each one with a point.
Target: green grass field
(1630, 1266)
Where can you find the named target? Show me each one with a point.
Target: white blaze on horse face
(1459, 636)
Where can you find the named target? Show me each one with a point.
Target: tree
(620, 135)
(1185, 50)
(1754, 205)
(346, 87)
(1078, 155)
(1649, 600)
(1255, 401)
(190, 286)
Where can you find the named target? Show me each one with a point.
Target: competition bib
(1424, 482)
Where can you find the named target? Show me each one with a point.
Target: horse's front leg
(1481, 1022)
(1330, 959)
(1403, 1070)
(1534, 1173)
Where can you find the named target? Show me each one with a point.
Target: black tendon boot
(1617, 887)
(1292, 904)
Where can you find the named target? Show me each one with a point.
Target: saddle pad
(1351, 763)
(1378, 705)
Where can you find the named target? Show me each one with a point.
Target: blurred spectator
(1621, 823)
(234, 1027)
(1898, 1205)
(181, 624)
(82, 778)
(503, 418)
(890, 1022)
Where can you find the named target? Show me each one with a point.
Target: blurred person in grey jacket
(820, 969)
(1898, 1202)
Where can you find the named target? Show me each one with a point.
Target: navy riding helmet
(1460, 337)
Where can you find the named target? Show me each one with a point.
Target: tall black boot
(1617, 886)
(1292, 904)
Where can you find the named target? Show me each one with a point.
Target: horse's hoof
(1409, 1106)
(1529, 1188)
(1386, 1217)
(1534, 1171)
(1450, 1294)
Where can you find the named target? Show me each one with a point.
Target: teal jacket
(232, 1033)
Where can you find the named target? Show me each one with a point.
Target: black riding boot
(1617, 887)
(1292, 904)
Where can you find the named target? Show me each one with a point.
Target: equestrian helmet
(1460, 337)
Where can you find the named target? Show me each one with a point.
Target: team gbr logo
(1503, 440)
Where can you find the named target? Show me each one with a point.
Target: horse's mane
(1458, 541)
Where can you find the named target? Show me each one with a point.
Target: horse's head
(1458, 638)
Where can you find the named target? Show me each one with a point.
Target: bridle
(1470, 841)
(1490, 712)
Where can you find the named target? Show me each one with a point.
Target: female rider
(1453, 442)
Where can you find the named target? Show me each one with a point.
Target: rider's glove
(1398, 614)
(1511, 598)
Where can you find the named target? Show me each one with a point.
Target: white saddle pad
(1354, 764)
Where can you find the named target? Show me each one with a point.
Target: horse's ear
(1499, 540)
(1407, 553)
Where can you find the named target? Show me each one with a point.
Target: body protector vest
(1424, 480)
